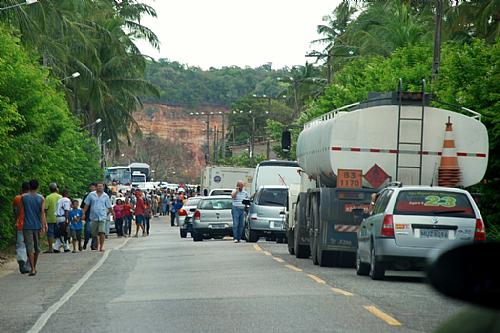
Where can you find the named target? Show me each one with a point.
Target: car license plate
(433, 233)
(218, 226)
(274, 225)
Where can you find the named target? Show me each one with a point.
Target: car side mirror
(467, 273)
(246, 202)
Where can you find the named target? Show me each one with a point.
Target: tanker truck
(356, 150)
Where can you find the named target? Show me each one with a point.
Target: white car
(409, 223)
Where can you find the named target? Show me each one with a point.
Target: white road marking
(267, 253)
(278, 259)
(44, 318)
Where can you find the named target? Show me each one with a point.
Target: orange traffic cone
(449, 171)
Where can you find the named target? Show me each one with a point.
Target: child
(147, 216)
(118, 209)
(76, 225)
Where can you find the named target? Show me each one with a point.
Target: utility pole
(223, 135)
(208, 138)
(253, 138)
(437, 39)
(215, 143)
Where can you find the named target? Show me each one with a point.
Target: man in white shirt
(238, 210)
(62, 219)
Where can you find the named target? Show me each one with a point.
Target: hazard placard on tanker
(348, 178)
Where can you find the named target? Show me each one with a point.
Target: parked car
(212, 218)
(408, 223)
(186, 218)
(266, 215)
(221, 191)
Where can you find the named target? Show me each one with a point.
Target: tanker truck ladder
(404, 144)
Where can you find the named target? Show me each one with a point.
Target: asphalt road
(163, 283)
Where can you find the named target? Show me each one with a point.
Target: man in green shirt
(50, 212)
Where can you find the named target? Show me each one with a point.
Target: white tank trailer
(391, 137)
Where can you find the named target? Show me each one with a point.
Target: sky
(216, 33)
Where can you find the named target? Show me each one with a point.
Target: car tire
(196, 237)
(183, 233)
(362, 268)
(250, 235)
(377, 269)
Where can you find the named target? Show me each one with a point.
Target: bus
(142, 168)
(118, 174)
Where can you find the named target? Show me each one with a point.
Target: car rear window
(216, 204)
(273, 197)
(221, 192)
(439, 203)
(192, 201)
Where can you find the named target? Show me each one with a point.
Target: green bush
(39, 137)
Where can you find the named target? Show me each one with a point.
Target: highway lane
(404, 295)
(163, 283)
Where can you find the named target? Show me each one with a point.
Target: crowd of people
(69, 222)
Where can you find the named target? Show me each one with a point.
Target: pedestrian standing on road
(21, 254)
(164, 203)
(118, 209)
(87, 232)
(139, 213)
(238, 210)
(50, 211)
(100, 207)
(176, 205)
(147, 216)
(62, 218)
(34, 223)
(127, 217)
(153, 205)
(76, 225)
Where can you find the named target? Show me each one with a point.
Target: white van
(274, 172)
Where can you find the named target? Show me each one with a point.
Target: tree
(39, 137)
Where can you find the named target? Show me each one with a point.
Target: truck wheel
(362, 268)
(314, 236)
(197, 237)
(377, 269)
(250, 235)
(183, 233)
(291, 247)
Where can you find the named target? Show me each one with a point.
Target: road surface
(163, 283)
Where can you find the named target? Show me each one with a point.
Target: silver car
(186, 216)
(266, 215)
(212, 218)
(408, 223)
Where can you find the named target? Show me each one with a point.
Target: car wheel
(377, 270)
(196, 237)
(183, 233)
(362, 268)
(250, 235)
(280, 240)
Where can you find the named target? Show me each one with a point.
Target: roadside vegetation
(46, 114)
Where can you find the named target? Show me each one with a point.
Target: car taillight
(387, 226)
(197, 215)
(253, 217)
(182, 212)
(479, 233)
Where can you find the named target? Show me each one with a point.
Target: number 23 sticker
(434, 200)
